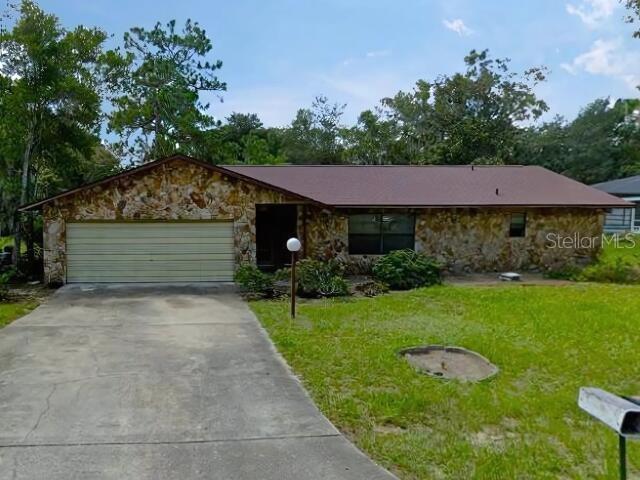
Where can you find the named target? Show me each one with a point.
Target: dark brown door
(275, 224)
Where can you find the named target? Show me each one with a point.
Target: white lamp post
(293, 245)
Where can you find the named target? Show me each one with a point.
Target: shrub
(5, 277)
(253, 280)
(618, 270)
(282, 274)
(567, 272)
(406, 269)
(321, 279)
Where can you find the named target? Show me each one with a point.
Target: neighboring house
(180, 219)
(623, 219)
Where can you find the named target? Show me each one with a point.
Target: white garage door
(150, 252)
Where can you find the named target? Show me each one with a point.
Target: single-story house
(181, 219)
(623, 219)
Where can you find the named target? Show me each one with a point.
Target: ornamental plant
(407, 269)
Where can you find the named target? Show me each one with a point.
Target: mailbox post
(293, 245)
(619, 413)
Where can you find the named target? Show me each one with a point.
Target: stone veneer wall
(465, 239)
(176, 190)
(478, 239)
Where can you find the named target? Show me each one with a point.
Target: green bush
(618, 270)
(406, 269)
(5, 277)
(320, 279)
(282, 274)
(253, 280)
(567, 272)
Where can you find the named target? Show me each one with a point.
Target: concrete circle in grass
(450, 362)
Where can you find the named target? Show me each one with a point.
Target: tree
(601, 143)
(373, 141)
(155, 85)
(314, 135)
(546, 145)
(242, 139)
(240, 124)
(49, 101)
(634, 15)
(467, 118)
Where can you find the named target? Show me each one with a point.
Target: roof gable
(155, 164)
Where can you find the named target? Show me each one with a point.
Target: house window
(380, 233)
(518, 224)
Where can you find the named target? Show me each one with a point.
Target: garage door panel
(77, 259)
(150, 252)
(96, 232)
(152, 279)
(153, 240)
(143, 248)
(200, 267)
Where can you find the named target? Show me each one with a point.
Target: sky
(279, 54)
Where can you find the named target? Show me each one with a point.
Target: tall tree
(314, 134)
(49, 99)
(156, 83)
(242, 139)
(470, 117)
(374, 141)
(601, 143)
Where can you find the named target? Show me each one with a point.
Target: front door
(275, 224)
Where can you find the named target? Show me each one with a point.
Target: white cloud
(608, 58)
(592, 12)
(379, 53)
(458, 26)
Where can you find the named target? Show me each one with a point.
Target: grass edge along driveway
(547, 341)
(12, 310)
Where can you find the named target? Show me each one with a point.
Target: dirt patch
(29, 292)
(388, 429)
(450, 363)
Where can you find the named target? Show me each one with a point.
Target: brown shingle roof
(430, 186)
(394, 186)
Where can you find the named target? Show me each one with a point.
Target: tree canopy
(71, 112)
(50, 106)
(155, 82)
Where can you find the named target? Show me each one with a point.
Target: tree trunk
(24, 194)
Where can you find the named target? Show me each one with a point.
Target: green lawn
(524, 423)
(628, 250)
(9, 311)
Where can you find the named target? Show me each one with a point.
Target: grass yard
(524, 423)
(626, 249)
(10, 311)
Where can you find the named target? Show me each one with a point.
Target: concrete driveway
(149, 382)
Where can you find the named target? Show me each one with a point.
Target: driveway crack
(43, 412)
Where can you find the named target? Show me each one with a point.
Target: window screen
(517, 227)
(374, 234)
